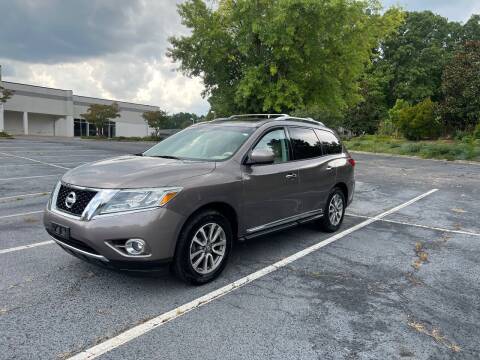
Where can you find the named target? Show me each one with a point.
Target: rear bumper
(89, 240)
(351, 192)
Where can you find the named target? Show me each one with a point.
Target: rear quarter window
(330, 143)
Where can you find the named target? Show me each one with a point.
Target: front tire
(203, 248)
(334, 211)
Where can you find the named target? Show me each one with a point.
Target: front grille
(82, 198)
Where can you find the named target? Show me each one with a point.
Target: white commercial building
(36, 110)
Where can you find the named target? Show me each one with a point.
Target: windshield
(202, 143)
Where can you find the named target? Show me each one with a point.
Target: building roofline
(37, 86)
(83, 96)
(117, 101)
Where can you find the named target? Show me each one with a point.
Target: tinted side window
(275, 140)
(305, 143)
(330, 143)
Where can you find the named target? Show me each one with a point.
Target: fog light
(135, 246)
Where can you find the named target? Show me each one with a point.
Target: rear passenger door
(316, 172)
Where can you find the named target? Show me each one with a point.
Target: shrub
(476, 132)
(387, 128)
(395, 113)
(3, 134)
(419, 121)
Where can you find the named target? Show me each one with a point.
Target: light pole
(2, 121)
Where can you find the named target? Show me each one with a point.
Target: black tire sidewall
(182, 265)
(326, 224)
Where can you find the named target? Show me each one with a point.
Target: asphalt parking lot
(400, 280)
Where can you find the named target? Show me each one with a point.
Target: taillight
(351, 161)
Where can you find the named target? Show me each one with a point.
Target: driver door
(270, 191)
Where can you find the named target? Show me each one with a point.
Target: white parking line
(158, 321)
(29, 177)
(77, 155)
(56, 150)
(419, 225)
(23, 247)
(43, 164)
(25, 195)
(39, 148)
(38, 161)
(21, 214)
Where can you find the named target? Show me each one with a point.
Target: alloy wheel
(207, 248)
(335, 209)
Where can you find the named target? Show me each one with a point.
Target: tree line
(99, 115)
(346, 63)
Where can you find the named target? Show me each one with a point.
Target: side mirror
(261, 157)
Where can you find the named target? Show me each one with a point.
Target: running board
(280, 227)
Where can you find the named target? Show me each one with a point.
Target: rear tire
(333, 211)
(203, 248)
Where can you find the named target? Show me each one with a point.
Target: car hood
(136, 172)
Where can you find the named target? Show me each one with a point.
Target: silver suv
(188, 198)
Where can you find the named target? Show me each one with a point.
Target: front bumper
(89, 240)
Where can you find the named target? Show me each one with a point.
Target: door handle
(329, 168)
(291, 176)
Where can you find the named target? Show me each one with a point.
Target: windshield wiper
(166, 157)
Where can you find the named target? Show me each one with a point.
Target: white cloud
(121, 78)
(458, 10)
(110, 48)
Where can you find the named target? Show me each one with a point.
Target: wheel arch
(342, 186)
(222, 207)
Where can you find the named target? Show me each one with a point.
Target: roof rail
(272, 117)
(268, 116)
(307, 120)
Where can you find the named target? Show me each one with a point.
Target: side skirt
(281, 225)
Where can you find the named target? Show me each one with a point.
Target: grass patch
(124, 138)
(460, 149)
(4, 135)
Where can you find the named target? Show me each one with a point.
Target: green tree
(366, 116)
(471, 29)
(413, 58)
(99, 115)
(5, 94)
(461, 88)
(183, 119)
(157, 120)
(280, 55)
(330, 119)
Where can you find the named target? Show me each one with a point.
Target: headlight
(53, 194)
(137, 199)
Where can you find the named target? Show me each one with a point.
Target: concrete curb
(464, 162)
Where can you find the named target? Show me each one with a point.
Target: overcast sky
(116, 48)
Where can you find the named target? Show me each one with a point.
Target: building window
(80, 129)
(92, 130)
(109, 129)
